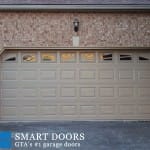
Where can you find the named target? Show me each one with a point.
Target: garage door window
(145, 57)
(106, 57)
(29, 57)
(68, 57)
(125, 57)
(88, 57)
(49, 57)
(9, 57)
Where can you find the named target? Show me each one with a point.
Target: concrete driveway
(97, 135)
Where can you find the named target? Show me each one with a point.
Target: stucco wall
(56, 29)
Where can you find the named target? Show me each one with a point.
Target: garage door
(74, 85)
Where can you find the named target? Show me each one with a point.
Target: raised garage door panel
(75, 85)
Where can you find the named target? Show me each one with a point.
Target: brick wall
(56, 29)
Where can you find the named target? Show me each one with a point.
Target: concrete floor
(98, 135)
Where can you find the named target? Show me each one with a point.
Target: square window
(107, 57)
(125, 57)
(68, 57)
(29, 57)
(88, 57)
(9, 57)
(145, 57)
(48, 57)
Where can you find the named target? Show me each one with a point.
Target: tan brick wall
(56, 29)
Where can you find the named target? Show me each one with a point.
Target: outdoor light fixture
(76, 25)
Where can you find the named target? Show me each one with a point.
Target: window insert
(88, 57)
(29, 57)
(10, 57)
(68, 57)
(145, 57)
(106, 57)
(125, 57)
(49, 57)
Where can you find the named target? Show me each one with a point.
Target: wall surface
(56, 29)
(63, 2)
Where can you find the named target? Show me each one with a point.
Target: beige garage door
(74, 85)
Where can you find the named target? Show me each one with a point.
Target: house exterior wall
(35, 29)
(78, 85)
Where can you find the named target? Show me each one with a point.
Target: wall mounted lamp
(76, 25)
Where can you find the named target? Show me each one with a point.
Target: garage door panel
(106, 100)
(87, 110)
(144, 75)
(68, 74)
(29, 92)
(106, 74)
(47, 84)
(69, 110)
(9, 102)
(30, 117)
(8, 111)
(76, 85)
(107, 109)
(87, 74)
(35, 84)
(48, 110)
(9, 93)
(143, 100)
(144, 109)
(27, 101)
(68, 91)
(28, 74)
(10, 118)
(48, 74)
(144, 91)
(29, 110)
(87, 91)
(50, 100)
(48, 92)
(126, 92)
(126, 74)
(47, 117)
(9, 84)
(9, 75)
(106, 92)
(127, 109)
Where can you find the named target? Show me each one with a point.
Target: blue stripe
(5, 140)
